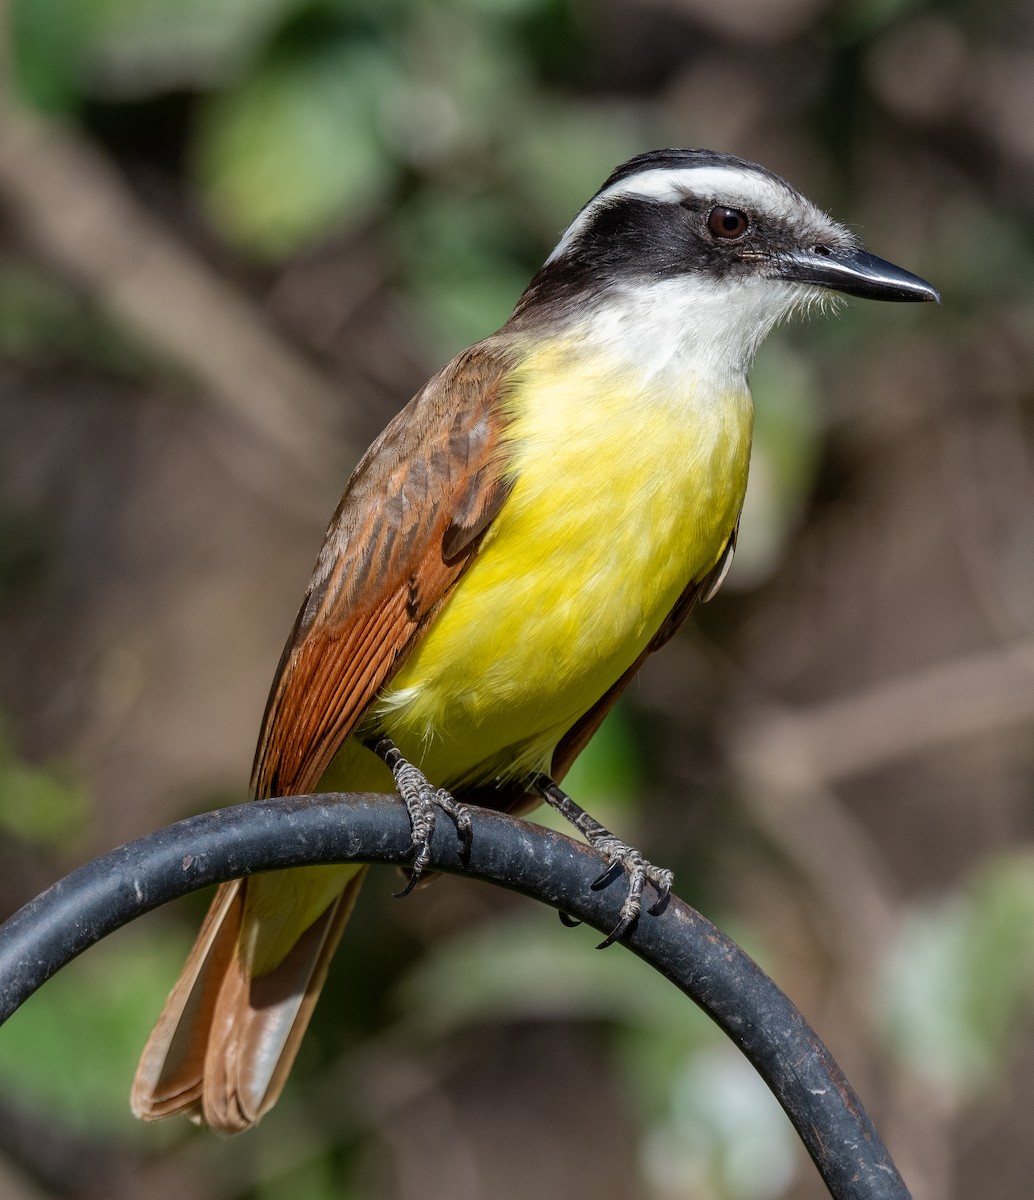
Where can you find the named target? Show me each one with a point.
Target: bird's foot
(621, 858)
(422, 799)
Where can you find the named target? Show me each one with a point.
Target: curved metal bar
(698, 958)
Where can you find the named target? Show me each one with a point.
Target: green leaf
(295, 150)
(47, 39)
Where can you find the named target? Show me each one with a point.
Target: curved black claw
(414, 879)
(568, 921)
(618, 932)
(663, 896)
(607, 875)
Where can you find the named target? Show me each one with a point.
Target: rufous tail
(225, 1041)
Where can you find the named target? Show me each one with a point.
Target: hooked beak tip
(858, 273)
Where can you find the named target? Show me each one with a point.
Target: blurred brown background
(234, 239)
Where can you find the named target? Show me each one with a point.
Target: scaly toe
(421, 799)
(422, 820)
(418, 797)
(460, 816)
(633, 902)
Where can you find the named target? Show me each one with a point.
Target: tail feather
(259, 1021)
(169, 1077)
(224, 1044)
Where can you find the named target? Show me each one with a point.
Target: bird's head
(721, 245)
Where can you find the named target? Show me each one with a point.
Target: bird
(543, 515)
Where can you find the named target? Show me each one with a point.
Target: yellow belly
(624, 492)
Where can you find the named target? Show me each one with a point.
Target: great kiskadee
(542, 515)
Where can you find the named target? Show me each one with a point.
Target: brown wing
(406, 527)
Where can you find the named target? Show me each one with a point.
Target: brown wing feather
(409, 520)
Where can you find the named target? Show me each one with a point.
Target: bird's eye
(728, 223)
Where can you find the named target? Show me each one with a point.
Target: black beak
(856, 273)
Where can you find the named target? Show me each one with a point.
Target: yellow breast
(625, 490)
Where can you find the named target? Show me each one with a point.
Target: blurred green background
(235, 237)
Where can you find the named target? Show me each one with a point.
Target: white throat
(705, 329)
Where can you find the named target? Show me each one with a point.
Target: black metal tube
(713, 971)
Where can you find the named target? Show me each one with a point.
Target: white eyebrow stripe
(732, 184)
(671, 183)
